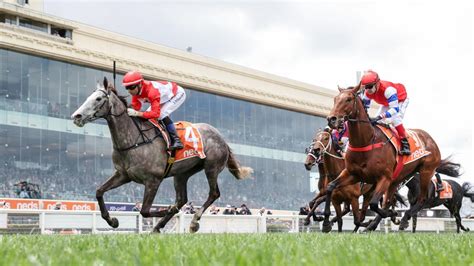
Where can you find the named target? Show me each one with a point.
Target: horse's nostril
(78, 116)
(331, 120)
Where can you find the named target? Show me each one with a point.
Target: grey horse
(140, 155)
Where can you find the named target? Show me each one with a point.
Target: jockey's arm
(136, 104)
(365, 100)
(155, 109)
(392, 99)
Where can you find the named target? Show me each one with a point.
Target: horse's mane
(122, 98)
(111, 87)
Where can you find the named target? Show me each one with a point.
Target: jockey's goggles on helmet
(131, 87)
(369, 86)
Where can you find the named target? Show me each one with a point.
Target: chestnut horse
(322, 152)
(376, 164)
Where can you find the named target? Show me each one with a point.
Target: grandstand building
(49, 65)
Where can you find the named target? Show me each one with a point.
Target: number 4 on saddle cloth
(417, 148)
(189, 136)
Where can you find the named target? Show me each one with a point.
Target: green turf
(239, 249)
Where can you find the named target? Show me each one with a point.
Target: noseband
(326, 148)
(109, 113)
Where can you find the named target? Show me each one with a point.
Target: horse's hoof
(403, 225)
(371, 227)
(318, 219)
(114, 222)
(156, 231)
(326, 227)
(306, 222)
(194, 227)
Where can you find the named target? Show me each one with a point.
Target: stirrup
(439, 187)
(176, 146)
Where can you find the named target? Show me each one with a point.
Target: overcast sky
(424, 45)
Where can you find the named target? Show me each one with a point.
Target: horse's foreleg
(356, 213)
(337, 208)
(214, 194)
(114, 181)
(380, 189)
(311, 213)
(345, 211)
(365, 206)
(342, 180)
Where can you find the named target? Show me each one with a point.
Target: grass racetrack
(239, 249)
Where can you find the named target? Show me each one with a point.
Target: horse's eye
(348, 99)
(98, 99)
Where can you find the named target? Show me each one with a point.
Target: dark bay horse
(139, 155)
(376, 164)
(453, 204)
(322, 152)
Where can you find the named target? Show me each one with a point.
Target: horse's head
(320, 144)
(97, 105)
(345, 106)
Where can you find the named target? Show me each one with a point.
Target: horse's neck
(360, 133)
(123, 131)
(333, 166)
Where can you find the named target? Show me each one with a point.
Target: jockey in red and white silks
(164, 98)
(394, 101)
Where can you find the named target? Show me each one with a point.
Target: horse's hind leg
(414, 220)
(454, 208)
(116, 180)
(214, 194)
(425, 180)
(181, 188)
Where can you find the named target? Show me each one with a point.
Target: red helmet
(369, 77)
(132, 78)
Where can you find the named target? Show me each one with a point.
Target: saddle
(189, 136)
(447, 192)
(417, 147)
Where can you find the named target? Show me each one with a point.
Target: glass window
(70, 164)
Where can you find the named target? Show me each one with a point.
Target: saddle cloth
(447, 193)
(417, 147)
(189, 136)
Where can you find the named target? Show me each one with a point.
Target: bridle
(145, 139)
(109, 112)
(354, 107)
(310, 151)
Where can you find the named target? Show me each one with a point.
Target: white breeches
(397, 118)
(170, 106)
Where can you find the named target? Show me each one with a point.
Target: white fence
(90, 222)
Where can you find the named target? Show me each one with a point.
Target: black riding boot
(176, 143)
(405, 149)
(439, 183)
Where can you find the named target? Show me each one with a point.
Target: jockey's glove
(374, 120)
(132, 112)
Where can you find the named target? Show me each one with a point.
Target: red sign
(20, 204)
(34, 204)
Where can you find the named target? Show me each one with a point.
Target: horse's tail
(465, 188)
(240, 172)
(449, 168)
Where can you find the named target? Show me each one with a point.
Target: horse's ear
(356, 89)
(340, 88)
(106, 83)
